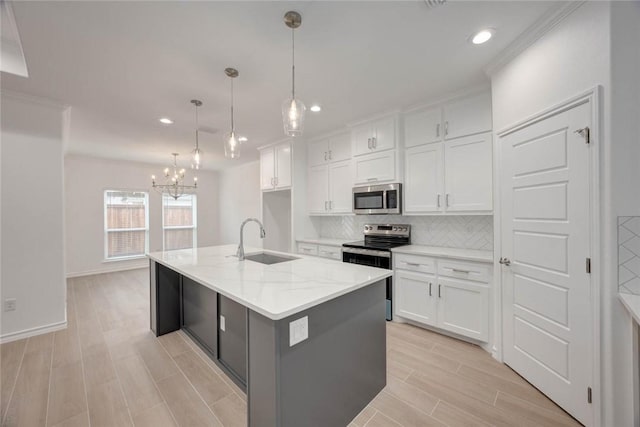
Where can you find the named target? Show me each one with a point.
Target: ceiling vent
(434, 3)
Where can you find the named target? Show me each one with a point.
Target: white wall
(86, 178)
(32, 251)
(572, 58)
(239, 199)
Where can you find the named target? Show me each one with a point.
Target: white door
(340, 187)
(547, 315)
(422, 127)
(416, 296)
(340, 147)
(469, 173)
(283, 165)
(361, 139)
(267, 169)
(385, 134)
(318, 189)
(317, 152)
(423, 188)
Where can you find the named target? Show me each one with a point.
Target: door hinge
(588, 263)
(589, 395)
(585, 132)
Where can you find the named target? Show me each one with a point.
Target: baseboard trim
(111, 269)
(14, 336)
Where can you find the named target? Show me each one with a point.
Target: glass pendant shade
(232, 146)
(293, 111)
(196, 158)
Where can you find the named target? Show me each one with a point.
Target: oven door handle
(371, 252)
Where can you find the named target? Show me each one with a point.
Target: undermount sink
(267, 258)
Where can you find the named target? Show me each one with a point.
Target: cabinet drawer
(417, 263)
(333, 252)
(464, 270)
(308, 249)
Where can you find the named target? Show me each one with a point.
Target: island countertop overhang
(275, 291)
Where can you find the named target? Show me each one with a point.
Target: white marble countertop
(275, 291)
(324, 241)
(631, 303)
(438, 251)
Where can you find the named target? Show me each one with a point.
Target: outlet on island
(10, 304)
(298, 330)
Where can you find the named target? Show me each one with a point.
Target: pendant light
(231, 143)
(293, 109)
(196, 154)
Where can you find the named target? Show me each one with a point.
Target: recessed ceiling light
(243, 139)
(315, 108)
(482, 36)
(166, 121)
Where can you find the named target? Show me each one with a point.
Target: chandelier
(174, 181)
(293, 109)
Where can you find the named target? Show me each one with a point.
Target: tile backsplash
(468, 232)
(629, 254)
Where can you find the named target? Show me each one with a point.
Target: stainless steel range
(375, 250)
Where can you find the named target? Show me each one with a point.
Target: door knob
(505, 261)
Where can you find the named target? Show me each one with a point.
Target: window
(126, 224)
(179, 222)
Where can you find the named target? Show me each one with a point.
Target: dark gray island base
(324, 380)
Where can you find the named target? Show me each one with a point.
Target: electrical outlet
(10, 304)
(298, 330)
(222, 323)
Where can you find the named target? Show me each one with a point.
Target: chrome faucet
(240, 252)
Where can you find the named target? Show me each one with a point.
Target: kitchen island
(305, 337)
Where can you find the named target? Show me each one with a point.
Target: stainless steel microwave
(377, 199)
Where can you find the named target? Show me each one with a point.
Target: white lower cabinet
(453, 304)
(415, 300)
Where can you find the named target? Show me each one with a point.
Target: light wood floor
(107, 369)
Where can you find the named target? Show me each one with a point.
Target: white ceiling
(123, 65)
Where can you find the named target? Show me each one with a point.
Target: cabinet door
(232, 337)
(318, 152)
(283, 165)
(423, 184)
(469, 174)
(422, 127)
(463, 308)
(468, 116)
(267, 168)
(361, 139)
(200, 313)
(415, 296)
(378, 167)
(385, 134)
(318, 189)
(340, 187)
(340, 148)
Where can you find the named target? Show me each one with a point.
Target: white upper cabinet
(329, 188)
(469, 173)
(467, 116)
(334, 149)
(375, 168)
(424, 178)
(275, 167)
(379, 135)
(422, 127)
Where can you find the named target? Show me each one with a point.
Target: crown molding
(45, 102)
(532, 34)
